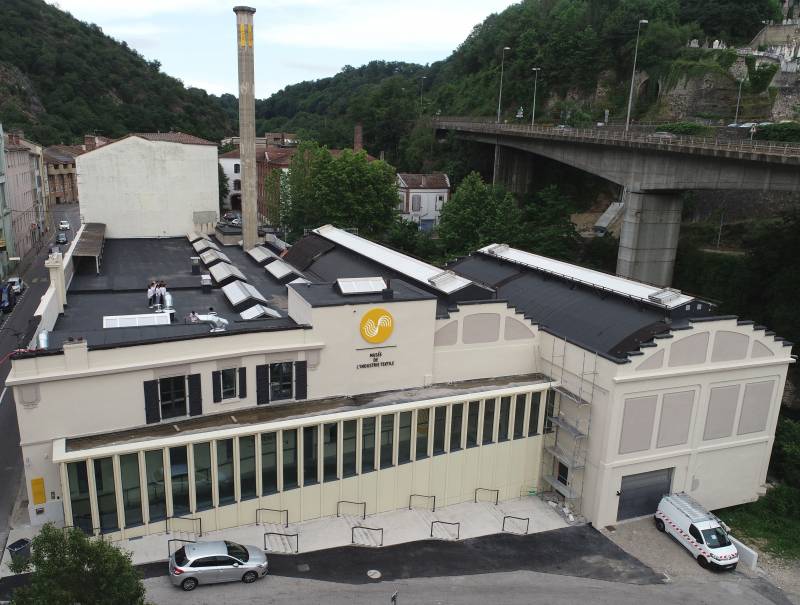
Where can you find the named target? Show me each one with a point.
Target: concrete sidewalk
(399, 526)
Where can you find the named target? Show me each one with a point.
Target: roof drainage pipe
(218, 324)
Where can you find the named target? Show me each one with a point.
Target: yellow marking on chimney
(250, 34)
(242, 35)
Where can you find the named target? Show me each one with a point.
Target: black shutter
(262, 384)
(300, 380)
(242, 383)
(216, 382)
(195, 396)
(151, 409)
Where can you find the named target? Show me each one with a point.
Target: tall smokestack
(358, 138)
(247, 124)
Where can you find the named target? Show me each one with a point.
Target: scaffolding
(568, 417)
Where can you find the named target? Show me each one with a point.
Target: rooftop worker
(193, 318)
(151, 294)
(161, 291)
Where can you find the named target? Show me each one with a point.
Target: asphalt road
(12, 329)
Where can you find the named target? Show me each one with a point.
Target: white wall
(228, 167)
(428, 204)
(141, 188)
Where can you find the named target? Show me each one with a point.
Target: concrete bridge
(652, 170)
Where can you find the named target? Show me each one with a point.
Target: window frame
(232, 390)
(171, 403)
(279, 394)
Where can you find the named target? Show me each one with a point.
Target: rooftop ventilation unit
(444, 280)
(361, 285)
(300, 280)
(136, 321)
(212, 257)
(262, 255)
(279, 269)
(223, 273)
(195, 237)
(238, 292)
(497, 249)
(202, 245)
(662, 297)
(257, 311)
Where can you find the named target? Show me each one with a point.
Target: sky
(295, 40)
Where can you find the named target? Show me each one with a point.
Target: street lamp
(499, 103)
(536, 71)
(500, 96)
(738, 101)
(420, 93)
(633, 76)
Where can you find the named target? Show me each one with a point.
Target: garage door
(641, 493)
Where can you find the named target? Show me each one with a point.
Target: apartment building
(343, 370)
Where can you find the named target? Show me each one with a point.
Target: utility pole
(633, 76)
(421, 80)
(499, 104)
(536, 71)
(738, 101)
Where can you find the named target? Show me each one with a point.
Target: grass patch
(772, 523)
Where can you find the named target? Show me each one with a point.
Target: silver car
(215, 562)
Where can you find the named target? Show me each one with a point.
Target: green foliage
(786, 132)
(731, 20)
(87, 82)
(686, 129)
(772, 522)
(68, 567)
(346, 190)
(759, 77)
(785, 461)
(224, 186)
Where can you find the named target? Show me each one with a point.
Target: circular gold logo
(376, 326)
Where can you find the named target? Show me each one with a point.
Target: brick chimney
(89, 142)
(358, 138)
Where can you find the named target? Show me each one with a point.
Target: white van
(698, 530)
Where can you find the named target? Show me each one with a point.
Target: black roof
(329, 295)
(596, 320)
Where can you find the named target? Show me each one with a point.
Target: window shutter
(216, 383)
(300, 380)
(151, 412)
(242, 383)
(195, 396)
(262, 384)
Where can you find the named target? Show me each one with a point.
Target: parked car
(17, 284)
(63, 226)
(215, 562)
(61, 238)
(8, 299)
(697, 530)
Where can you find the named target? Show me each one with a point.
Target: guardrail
(171, 540)
(433, 509)
(277, 533)
(608, 135)
(486, 489)
(456, 523)
(281, 511)
(363, 527)
(526, 519)
(362, 504)
(192, 519)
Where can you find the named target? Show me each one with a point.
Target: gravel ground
(641, 539)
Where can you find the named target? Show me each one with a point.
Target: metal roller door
(641, 493)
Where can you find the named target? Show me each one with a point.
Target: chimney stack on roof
(247, 124)
(358, 138)
(89, 142)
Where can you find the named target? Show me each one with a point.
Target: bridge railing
(671, 142)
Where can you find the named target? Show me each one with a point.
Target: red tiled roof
(278, 156)
(172, 137)
(61, 154)
(436, 180)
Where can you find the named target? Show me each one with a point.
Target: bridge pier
(648, 242)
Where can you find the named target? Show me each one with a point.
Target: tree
(68, 567)
(346, 190)
(548, 229)
(224, 187)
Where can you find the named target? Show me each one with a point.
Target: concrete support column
(247, 124)
(649, 239)
(55, 266)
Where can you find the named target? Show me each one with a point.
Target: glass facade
(330, 451)
(269, 463)
(310, 458)
(79, 496)
(329, 447)
(179, 475)
(225, 479)
(106, 494)
(247, 467)
(131, 489)
(156, 496)
(404, 438)
(387, 440)
(203, 484)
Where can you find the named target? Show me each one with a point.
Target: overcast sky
(296, 40)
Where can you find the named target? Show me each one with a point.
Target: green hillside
(61, 78)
